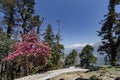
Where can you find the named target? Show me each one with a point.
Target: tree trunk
(10, 22)
(2, 72)
(38, 28)
(11, 74)
(8, 31)
(113, 57)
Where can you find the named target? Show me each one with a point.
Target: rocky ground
(111, 73)
(104, 73)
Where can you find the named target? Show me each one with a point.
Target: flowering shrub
(30, 49)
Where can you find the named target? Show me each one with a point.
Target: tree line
(85, 57)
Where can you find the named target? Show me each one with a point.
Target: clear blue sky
(79, 19)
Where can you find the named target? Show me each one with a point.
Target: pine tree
(86, 56)
(59, 48)
(29, 21)
(71, 59)
(110, 38)
(7, 8)
(20, 14)
(56, 48)
(49, 38)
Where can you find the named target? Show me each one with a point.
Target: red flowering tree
(29, 52)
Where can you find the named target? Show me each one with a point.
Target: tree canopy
(71, 59)
(110, 33)
(86, 56)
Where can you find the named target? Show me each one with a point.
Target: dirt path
(51, 74)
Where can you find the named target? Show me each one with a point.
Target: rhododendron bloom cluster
(30, 47)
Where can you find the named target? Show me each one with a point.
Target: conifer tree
(56, 49)
(71, 59)
(86, 56)
(108, 32)
(49, 36)
(25, 9)
(20, 14)
(59, 48)
(7, 8)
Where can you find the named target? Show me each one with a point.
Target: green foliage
(86, 56)
(49, 36)
(71, 59)
(5, 50)
(55, 61)
(18, 17)
(20, 13)
(7, 8)
(5, 45)
(58, 53)
(110, 33)
(27, 18)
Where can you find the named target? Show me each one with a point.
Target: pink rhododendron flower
(30, 46)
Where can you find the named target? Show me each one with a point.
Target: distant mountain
(79, 47)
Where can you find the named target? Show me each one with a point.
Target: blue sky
(79, 19)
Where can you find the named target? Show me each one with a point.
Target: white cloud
(77, 45)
